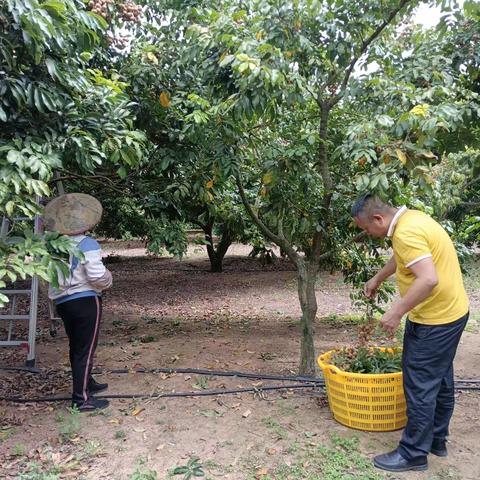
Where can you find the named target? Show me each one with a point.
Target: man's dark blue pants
(428, 353)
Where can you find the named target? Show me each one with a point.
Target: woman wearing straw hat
(78, 297)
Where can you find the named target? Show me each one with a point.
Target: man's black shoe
(439, 447)
(394, 462)
(95, 387)
(91, 404)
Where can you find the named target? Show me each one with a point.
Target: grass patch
(52, 464)
(279, 432)
(6, 433)
(92, 449)
(69, 425)
(150, 320)
(18, 450)
(35, 471)
(339, 460)
(285, 409)
(136, 341)
(142, 472)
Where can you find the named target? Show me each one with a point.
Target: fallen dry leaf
(261, 472)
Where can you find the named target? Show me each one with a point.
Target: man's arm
(426, 280)
(372, 285)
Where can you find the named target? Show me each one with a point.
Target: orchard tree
(179, 184)
(293, 104)
(58, 112)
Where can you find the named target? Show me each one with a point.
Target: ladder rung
(13, 343)
(14, 317)
(15, 292)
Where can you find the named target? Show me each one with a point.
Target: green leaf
(86, 56)
(3, 299)
(38, 100)
(180, 470)
(385, 120)
(226, 60)
(122, 172)
(16, 158)
(9, 206)
(51, 67)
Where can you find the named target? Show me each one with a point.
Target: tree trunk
(216, 255)
(307, 277)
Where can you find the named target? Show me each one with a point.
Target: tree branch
(100, 179)
(323, 155)
(280, 240)
(356, 238)
(366, 43)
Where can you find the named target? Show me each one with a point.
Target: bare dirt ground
(165, 313)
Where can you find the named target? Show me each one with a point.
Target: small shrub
(18, 450)
(192, 469)
(143, 473)
(70, 424)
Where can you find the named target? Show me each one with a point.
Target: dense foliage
(58, 113)
(367, 360)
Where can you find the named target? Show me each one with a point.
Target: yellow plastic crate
(371, 402)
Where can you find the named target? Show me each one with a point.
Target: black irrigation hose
(21, 369)
(191, 394)
(204, 393)
(216, 373)
(234, 373)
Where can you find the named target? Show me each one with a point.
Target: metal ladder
(12, 316)
(33, 291)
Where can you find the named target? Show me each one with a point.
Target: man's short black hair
(369, 204)
(360, 203)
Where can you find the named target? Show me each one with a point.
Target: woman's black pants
(81, 318)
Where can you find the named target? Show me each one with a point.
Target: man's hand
(371, 287)
(390, 321)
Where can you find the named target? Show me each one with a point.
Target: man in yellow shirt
(432, 293)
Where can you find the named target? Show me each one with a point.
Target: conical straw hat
(72, 213)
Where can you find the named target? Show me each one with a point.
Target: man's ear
(379, 218)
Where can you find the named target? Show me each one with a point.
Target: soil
(162, 312)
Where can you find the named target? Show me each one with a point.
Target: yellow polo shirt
(415, 236)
